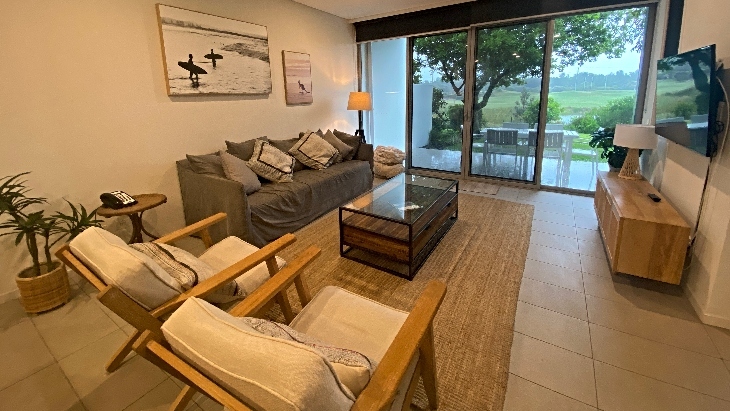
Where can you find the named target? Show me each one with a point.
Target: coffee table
(395, 226)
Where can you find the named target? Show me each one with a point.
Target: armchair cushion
(343, 319)
(189, 270)
(267, 373)
(116, 263)
(231, 250)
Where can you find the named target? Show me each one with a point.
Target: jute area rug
(481, 260)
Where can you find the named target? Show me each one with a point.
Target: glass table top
(404, 197)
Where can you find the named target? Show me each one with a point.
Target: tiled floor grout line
(550, 389)
(631, 305)
(545, 232)
(552, 311)
(662, 381)
(554, 285)
(590, 340)
(554, 345)
(153, 388)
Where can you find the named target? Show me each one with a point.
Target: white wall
(708, 278)
(83, 102)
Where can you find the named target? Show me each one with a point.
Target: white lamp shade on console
(360, 100)
(635, 137)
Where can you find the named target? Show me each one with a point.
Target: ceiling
(359, 10)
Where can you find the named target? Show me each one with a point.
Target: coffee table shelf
(397, 225)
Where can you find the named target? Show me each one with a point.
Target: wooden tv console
(641, 237)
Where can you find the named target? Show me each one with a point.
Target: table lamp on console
(360, 100)
(635, 137)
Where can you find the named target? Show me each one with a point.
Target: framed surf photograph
(206, 54)
(297, 78)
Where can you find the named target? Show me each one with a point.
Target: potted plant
(44, 285)
(603, 139)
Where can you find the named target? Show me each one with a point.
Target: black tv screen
(687, 98)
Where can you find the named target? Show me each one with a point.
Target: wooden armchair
(407, 348)
(201, 290)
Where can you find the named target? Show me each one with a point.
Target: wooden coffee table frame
(395, 246)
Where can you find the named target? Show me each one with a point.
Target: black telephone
(117, 199)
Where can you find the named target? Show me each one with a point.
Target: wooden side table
(144, 203)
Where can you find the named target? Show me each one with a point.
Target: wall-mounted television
(687, 97)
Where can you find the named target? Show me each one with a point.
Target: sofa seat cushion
(117, 264)
(231, 250)
(265, 372)
(278, 209)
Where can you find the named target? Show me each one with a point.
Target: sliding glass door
(506, 104)
(515, 102)
(438, 78)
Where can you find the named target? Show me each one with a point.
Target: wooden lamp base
(630, 169)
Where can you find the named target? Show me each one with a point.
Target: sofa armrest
(365, 153)
(204, 195)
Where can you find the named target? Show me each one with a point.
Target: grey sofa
(276, 209)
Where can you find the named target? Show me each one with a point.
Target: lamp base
(360, 132)
(630, 169)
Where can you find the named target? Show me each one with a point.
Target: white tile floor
(583, 339)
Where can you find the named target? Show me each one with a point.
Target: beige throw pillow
(271, 163)
(314, 151)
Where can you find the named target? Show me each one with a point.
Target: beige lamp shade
(360, 100)
(635, 136)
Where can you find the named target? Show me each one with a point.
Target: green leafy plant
(28, 226)
(603, 139)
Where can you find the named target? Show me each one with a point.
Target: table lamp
(360, 100)
(635, 137)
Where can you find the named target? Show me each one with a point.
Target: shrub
(616, 111)
(585, 124)
(532, 111)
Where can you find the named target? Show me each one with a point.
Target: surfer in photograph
(213, 56)
(302, 90)
(193, 69)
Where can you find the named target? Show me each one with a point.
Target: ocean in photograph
(298, 77)
(233, 54)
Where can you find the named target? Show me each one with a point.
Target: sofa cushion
(314, 151)
(206, 164)
(350, 140)
(189, 270)
(231, 250)
(237, 170)
(343, 148)
(268, 373)
(285, 146)
(243, 150)
(117, 264)
(271, 163)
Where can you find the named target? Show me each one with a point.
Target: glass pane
(439, 68)
(595, 71)
(404, 197)
(507, 89)
(384, 76)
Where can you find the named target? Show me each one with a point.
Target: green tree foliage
(685, 109)
(586, 124)
(521, 105)
(532, 111)
(509, 55)
(617, 111)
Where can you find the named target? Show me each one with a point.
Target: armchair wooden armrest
(416, 334)
(259, 299)
(266, 254)
(201, 228)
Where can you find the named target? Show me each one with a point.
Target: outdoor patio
(576, 173)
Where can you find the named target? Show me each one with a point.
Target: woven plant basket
(44, 292)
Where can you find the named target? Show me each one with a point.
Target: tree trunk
(33, 249)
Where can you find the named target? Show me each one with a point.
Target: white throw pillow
(314, 151)
(268, 373)
(271, 163)
(117, 264)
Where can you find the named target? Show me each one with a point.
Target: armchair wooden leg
(428, 357)
(183, 399)
(412, 387)
(122, 353)
(281, 298)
